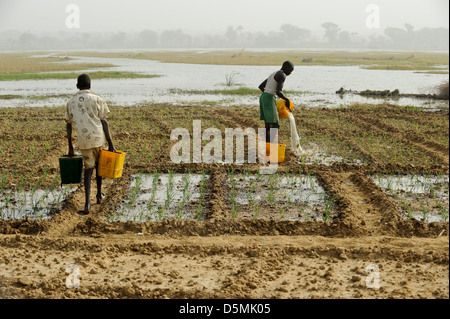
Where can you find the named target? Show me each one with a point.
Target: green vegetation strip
(238, 91)
(65, 76)
(35, 97)
(10, 96)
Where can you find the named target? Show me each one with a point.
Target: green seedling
(282, 212)
(135, 190)
(169, 190)
(328, 205)
(444, 214)
(234, 210)
(160, 213)
(256, 211)
(153, 191)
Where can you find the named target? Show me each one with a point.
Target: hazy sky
(214, 16)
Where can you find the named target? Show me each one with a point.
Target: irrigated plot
(316, 156)
(155, 197)
(36, 204)
(423, 197)
(278, 197)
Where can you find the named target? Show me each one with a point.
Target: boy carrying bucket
(271, 87)
(87, 112)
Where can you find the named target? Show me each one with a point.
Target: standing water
(311, 86)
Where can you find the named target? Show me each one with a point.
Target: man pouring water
(272, 87)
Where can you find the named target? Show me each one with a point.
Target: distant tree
(295, 34)
(239, 30)
(344, 38)
(433, 38)
(331, 31)
(27, 40)
(410, 35)
(209, 41)
(409, 28)
(231, 35)
(175, 39)
(399, 37)
(148, 39)
(118, 40)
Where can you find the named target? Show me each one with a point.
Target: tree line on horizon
(288, 36)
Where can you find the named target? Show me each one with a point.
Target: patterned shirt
(85, 110)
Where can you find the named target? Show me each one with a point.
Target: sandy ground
(152, 266)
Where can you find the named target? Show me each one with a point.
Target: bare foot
(86, 209)
(100, 197)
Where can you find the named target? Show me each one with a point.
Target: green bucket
(71, 169)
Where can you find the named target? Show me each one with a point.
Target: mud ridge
(387, 213)
(216, 200)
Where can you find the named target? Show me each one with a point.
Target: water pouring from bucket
(283, 112)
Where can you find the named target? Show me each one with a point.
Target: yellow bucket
(271, 157)
(111, 164)
(283, 111)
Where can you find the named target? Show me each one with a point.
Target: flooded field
(420, 197)
(201, 84)
(156, 197)
(37, 204)
(295, 197)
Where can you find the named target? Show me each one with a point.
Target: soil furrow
(357, 215)
(384, 214)
(320, 129)
(431, 148)
(65, 221)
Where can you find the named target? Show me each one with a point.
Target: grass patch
(238, 91)
(65, 76)
(10, 96)
(432, 72)
(35, 97)
(26, 63)
(49, 96)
